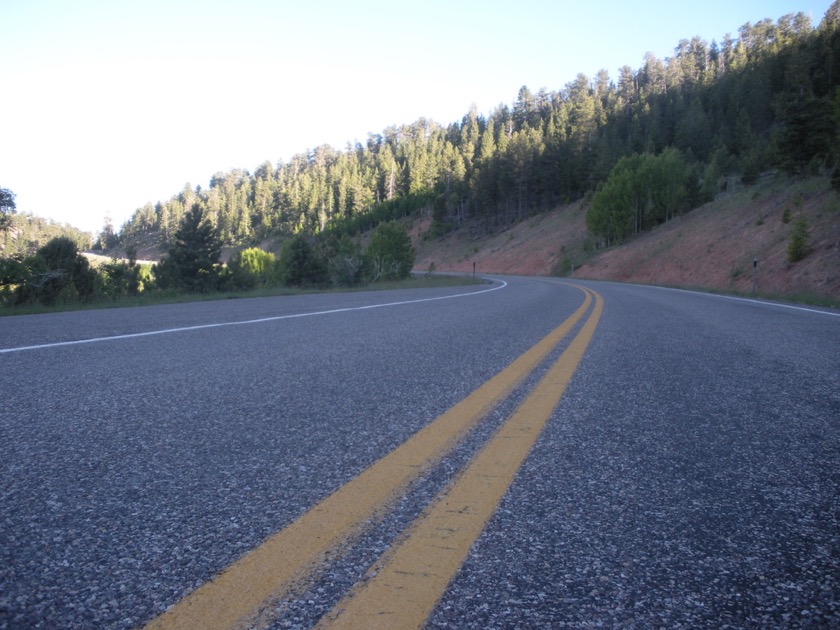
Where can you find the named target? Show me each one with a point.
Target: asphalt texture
(688, 478)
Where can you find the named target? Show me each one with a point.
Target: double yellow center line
(411, 578)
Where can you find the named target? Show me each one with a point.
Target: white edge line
(750, 300)
(702, 293)
(721, 296)
(166, 331)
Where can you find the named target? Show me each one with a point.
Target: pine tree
(798, 244)
(302, 266)
(7, 209)
(191, 264)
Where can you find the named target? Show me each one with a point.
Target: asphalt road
(690, 475)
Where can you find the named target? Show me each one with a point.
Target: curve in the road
(408, 583)
(295, 552)
(500, 284)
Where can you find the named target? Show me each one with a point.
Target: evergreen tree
(7, 209)
(192, 262)
(798, 244)
(301, 265)
(525, 109)
(807, 132)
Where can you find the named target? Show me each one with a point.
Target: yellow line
(290, 556)
(406, 585)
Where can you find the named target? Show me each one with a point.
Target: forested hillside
(27, 232)
(766, 97)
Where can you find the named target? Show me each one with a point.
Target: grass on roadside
(802, 298)
(153, 298)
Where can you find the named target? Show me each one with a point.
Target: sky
(109, 104)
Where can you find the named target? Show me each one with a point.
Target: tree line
(192, 261)
(764, 98)
(656, 142)
(58, 273)
(22, 233)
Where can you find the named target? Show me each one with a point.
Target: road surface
(686, 471)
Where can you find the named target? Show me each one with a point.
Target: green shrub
(563, 267)
(390, 253)
(301, 265)
(786, 216)
(120, 278)
(346, 260)
(57, 274)
(252, 267)
(798, 243)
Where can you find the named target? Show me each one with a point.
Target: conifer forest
(766, 97)
(641, 148)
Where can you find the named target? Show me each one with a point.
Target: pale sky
(109, 104)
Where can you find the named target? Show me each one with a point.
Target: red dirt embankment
(712, 247)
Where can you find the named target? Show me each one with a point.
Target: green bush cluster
(641, 191)
(340, 261)
(252, 268)
(58, 274)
